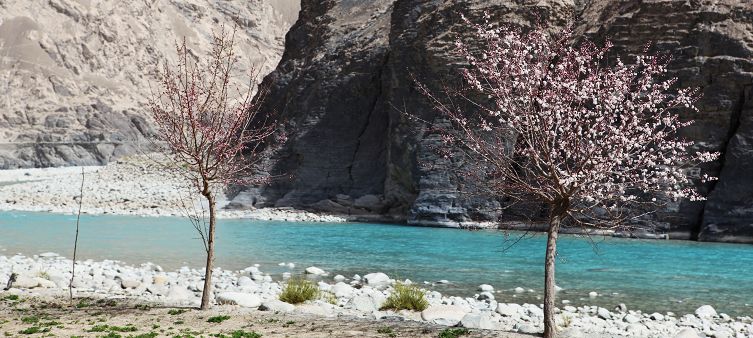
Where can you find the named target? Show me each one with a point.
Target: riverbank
(135, 185)
(250, 290)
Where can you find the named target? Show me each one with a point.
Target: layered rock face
(75, 74)
(345, 84)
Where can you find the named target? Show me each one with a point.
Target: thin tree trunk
(75, 241)
(205, 296)
(550, 328)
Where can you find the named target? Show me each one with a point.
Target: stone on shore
(275, 305)
(485, 288)
(705, 311)
(449, 315)
(510, 310)
(376, 279)
(239, 298)
(687, 333)
(25, 282)
(478, 320)
(312, 270)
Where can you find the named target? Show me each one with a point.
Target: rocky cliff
(345, 80)
(75, 74)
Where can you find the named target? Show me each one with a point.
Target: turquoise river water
(650, 275)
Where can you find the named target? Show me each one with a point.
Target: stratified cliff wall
(346, 81)
(75, 74)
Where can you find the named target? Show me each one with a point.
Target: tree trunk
(206, 293)
(550, 328)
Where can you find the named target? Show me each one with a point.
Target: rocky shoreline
(47, 276)
(135, 185)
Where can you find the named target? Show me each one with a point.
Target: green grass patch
(83, 304)
(113, 328)
(175, 312)
(386, 330)
(238, 334)
(145, 335)
(288, 323)
(11, 297)
(30, 319)
(406, 297)
(454, 332)
(218, 319)
(298, 290)
(34, 329)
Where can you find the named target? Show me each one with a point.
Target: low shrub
(299, 290)
(406, 297)
(218, 319)
(454, 333)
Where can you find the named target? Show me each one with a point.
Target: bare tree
(214, 134)
(550, 123)
(75, 241)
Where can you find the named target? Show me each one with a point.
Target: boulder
(705, 311)
(376, 279)
(275, 305)
(478, 320)
(687, 333)
(485, 288)
(656, 316)
(631, 318)
(449, 315)
(339, 278)
(603, 313)
(342, 290)
(159, 280)
(312, 270)
(25, 282)
(510, 310)
(129, 283)
(239, 298)
(362, 303)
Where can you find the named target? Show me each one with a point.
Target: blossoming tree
(554, 125)
(213, 134)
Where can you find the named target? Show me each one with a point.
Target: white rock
(443, 281)
(47, 284)
(239, 298)
(593, 294)
(482, 320)
(159, 280)
(631, 319)
(449, 315)
(687, 333)
(324, 286)
(342, 290)
(275, 305)
(362, 303)
(339, 278)
(485, 288)
(485, 296)
(603, 313)
(705, 311)
(48, 255)
(312, 270)
(376, 279)
(129, 283)
(509, 310)
(534, 311)
(25, 282)
(179, 293)
(656, 316)
(519, 290)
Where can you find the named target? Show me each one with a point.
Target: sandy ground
(89, 318)
(136, 185)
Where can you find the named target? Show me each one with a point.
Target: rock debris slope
(345, 80)
(75, 74)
